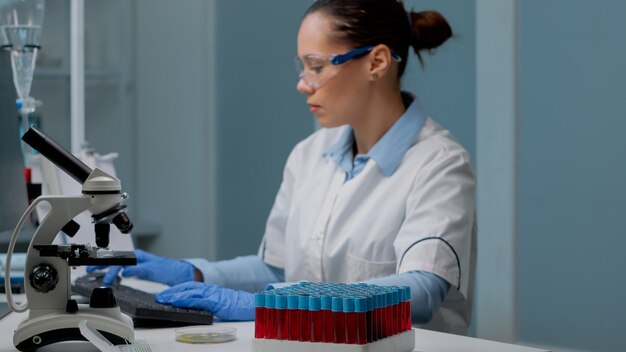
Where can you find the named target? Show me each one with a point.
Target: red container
(361, 309)
(305, 319)
(282, 321)
(350, 316)
(328, 325)
(376, 319)
(259, 322)
(339, 320)
(317, 319)
(369, 323)
(395, 309)
(259, 316)
(407, 307)
(271, 327)
(388, 315)
(407, 313)
(293, 315)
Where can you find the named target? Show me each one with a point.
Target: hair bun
(429, 29)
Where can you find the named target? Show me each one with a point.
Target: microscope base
(33, 333)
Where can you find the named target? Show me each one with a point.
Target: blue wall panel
(260, 116)
(572, 174)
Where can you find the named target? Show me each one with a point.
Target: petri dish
(205, 334)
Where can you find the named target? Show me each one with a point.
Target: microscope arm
(46, 232)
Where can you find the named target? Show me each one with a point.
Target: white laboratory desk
(162, 340)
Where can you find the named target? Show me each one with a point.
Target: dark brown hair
(372, 22)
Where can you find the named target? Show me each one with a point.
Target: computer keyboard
(141, 306)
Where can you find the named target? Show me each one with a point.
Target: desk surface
(162, 340)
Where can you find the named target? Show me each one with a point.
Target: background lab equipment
(21, 22)
(13, 199)
(54, 316)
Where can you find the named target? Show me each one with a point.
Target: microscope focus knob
(102, 297)
(43, 278)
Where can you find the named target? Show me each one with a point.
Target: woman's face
(335, 93)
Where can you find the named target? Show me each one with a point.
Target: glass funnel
(20, 24)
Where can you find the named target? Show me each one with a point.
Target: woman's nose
(303, 87)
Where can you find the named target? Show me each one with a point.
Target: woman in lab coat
(381, 193)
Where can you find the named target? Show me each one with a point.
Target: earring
(374, 76)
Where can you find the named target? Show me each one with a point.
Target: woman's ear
(380, 62)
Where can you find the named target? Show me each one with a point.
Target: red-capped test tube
(259, 315)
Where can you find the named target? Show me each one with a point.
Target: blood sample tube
(282, 321)
(293, 315)
(259, 315)
(360, 310)
(403, 303)
(305, 319)
(383, 314)
(388, 313)
(339, 320)
(317, 319)
(369, 318)
(407, 307)
(395, 311)
(328, 334)
(378, 319)
(271, 328)
(350, 317)
(400, 314)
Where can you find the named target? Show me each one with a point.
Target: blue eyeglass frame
(338, 59)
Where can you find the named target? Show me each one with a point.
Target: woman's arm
(427, 292)
(247, 273)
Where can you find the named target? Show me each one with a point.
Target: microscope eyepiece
(57, 155)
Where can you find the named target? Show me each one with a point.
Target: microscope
(53, 315)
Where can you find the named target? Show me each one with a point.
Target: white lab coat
(422, 217)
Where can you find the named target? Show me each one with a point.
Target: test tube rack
(321, 317)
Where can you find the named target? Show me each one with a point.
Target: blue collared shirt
(388, 152)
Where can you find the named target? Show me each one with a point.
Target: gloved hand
(225, 303)
(151, 267)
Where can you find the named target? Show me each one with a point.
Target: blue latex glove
(151, 267)
(225, 303)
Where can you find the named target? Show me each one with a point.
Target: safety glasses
(316, 69)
